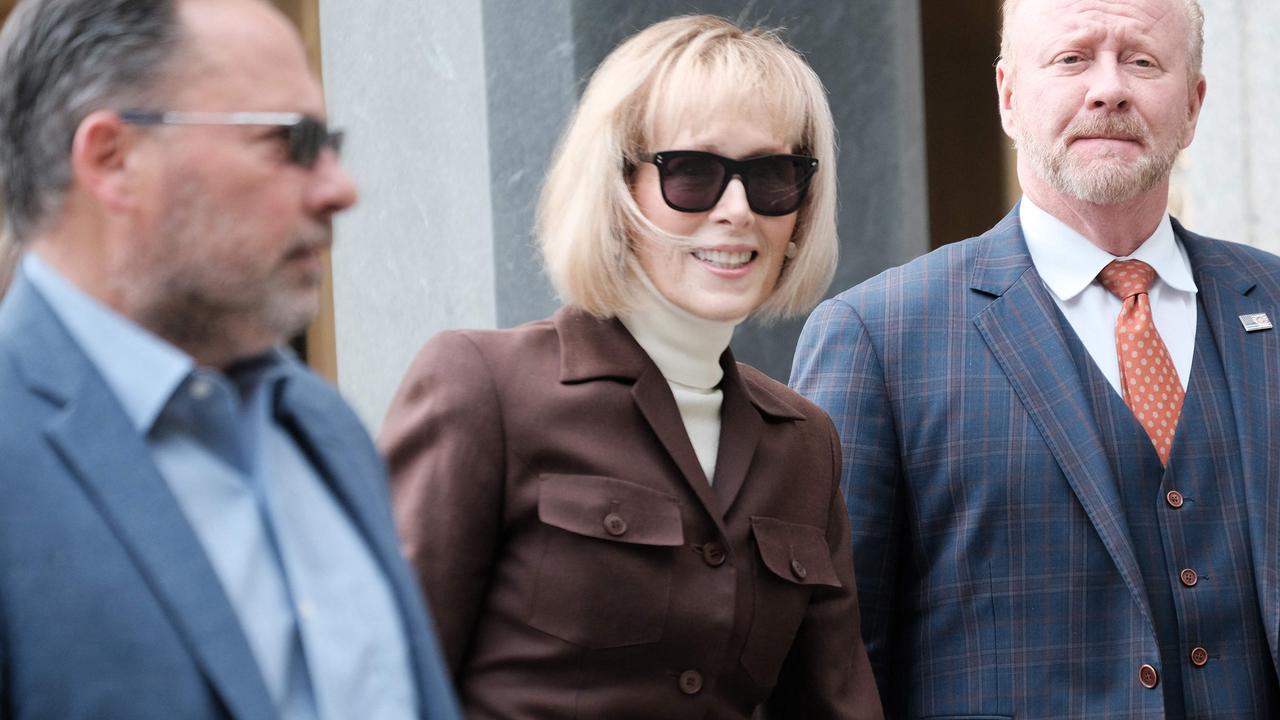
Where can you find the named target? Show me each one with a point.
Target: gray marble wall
(453, 110)
(1230, 184)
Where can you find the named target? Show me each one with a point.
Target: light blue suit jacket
(109, 607)
(995, 570)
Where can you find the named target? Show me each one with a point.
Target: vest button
(1148, 676)
(1189, 577)
(713, 554)
(614, 524)
(1174, 498)
(690, 682)
(1199, 656)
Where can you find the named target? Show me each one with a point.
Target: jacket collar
(594, 348)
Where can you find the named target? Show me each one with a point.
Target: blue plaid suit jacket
(995, 572)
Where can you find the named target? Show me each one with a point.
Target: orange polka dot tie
(1150, 382)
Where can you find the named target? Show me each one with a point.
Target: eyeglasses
(693, 181)
(306, 136)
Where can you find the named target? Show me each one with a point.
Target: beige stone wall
(1232, 170)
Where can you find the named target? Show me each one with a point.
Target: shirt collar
(140, 369)
(1068, 262)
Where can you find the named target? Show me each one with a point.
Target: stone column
(453, 110)
(1231, 174)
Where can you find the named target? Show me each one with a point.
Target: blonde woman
(610, 517)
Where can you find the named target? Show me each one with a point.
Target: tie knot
(1126, 278)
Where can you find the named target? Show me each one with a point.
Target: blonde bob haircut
(681, 73)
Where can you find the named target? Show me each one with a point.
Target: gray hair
(1195, 40)
(59, 61)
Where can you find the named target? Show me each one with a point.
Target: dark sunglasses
(693, 181)
(306, 136)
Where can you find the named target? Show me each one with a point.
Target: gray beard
(1108, 180)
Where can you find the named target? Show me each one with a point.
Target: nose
(733, 208)
(332, 190)
(1108, 86)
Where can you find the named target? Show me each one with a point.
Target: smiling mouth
(725, 260)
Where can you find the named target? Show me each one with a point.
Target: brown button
(1174, 498)
(1199, 656)
(614, 524)
(713, 554)
(798, 568)
(1189, 577)
(690, 682)
(1148, 677)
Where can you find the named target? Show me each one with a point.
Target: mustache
(1125, 127)
(311, 240)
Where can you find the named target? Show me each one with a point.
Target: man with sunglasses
(1061, 437)
(192, 525)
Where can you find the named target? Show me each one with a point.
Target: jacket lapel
(591, 348)
(740, 429)
(105, 454)
(1251, 362)
(653, 397)
(1021, 328)
(749, 405)
(313, 424)
(332, 440)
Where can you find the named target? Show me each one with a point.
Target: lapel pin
(1254, 322)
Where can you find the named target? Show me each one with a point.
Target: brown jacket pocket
(604, 579)
(796, 558)
(797, 553)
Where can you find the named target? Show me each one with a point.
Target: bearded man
(1059, 437)
(192, 525)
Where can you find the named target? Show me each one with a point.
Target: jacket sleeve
(837, 367)
(444, 445)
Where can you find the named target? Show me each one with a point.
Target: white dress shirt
(1069, 265)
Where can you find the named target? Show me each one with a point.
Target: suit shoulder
(328, 399)
(1226, 259)
(946, 265)
(499, 349)
(465, 366)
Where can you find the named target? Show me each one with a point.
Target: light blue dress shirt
(315, 607)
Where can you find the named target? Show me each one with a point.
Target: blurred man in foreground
(191, 524)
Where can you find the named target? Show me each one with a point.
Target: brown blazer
(577, 561)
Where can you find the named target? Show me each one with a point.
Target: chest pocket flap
(793, 552)
(610, 509)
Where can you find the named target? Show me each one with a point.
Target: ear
(99, 159)
(1004, 91)
(1195, 101)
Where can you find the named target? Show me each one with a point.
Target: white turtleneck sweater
(687, 350)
